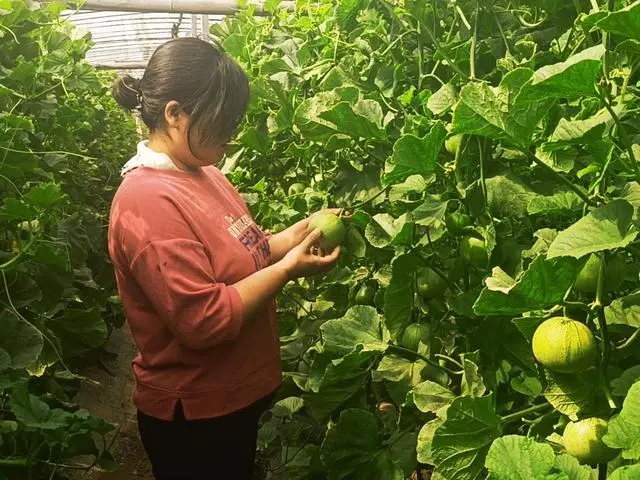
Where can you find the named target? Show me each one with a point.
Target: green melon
(365, 294)
(430, 284)
(587, 280)
(296, 189)
(452, 143)
(414, 334)
(474, 252)
(564, 345)
(583, 440)
(332, 228)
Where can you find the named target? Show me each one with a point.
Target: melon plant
(365, 104)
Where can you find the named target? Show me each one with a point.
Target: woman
(196, 275)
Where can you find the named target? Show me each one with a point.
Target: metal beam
(120, 66)
(204, 7)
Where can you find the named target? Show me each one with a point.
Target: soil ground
(110, 399)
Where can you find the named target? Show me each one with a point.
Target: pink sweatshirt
(179, 241)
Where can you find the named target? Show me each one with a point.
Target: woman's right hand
(301, 262)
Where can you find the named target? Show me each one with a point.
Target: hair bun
(126, 91)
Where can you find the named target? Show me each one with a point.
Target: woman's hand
(283, 242)
(300, 261)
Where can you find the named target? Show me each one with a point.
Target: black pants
(210, 449)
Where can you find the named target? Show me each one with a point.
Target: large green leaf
(20, 340)
(353, 449)
(574, 395)
(624, 311)
(364, 119)
(624, 430)
(80, 330)
(414, 155)
(360, 329)
(461, 443)
(384, 230)
(399, 375)
(398, 297)
(431, 397)
(624, 22)
(604, 228)
(509, 112)
(335, 381)
(575, 77)
(513, 457)
(543, 284)
(32, 412)
(631, 472)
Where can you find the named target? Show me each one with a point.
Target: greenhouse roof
(126, 40)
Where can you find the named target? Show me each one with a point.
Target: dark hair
(208, 84)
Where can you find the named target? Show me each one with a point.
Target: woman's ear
(173, 114)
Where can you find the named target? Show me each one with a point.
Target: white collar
(148, 158)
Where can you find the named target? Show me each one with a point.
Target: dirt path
(111, 400)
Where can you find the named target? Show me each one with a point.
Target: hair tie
(139, 98)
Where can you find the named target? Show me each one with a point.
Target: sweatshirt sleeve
(177, 278)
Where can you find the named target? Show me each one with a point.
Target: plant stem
(472, 50)
(405, 351)
(602, 471)
(15, 462)
(598, 306)
(521, 413)
(629, 341)
(362, 204)
(623, 134)
(6, 265)
(560, 177)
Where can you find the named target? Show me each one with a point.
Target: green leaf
(509, 112)
(361, 328)
(334, 382)
(624, 430)
(353, 449)
(21, 341)
(570, 465)
(472, 383)
(513, 457)
(442, 100)
(425, 440)
(431, 397)
(621, 385)
(413, 184)
(362, 120)
(624, 311)
(414, 155)
(32, 412)
(399, 376)
(631, 472)
(5, 360)
(80, 330)
(574, 395)
(347, 13)
(604, 228)
(43, 196)
(542, 285)
(384, 230)
(507, 195)
(398, 297)
(573, 78)
(565, 203)
(624, 22)
(461, 443)
(582, 131)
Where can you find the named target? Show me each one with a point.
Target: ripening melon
(564, 345)
(332, 228)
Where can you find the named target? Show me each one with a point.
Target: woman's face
(196, 156)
